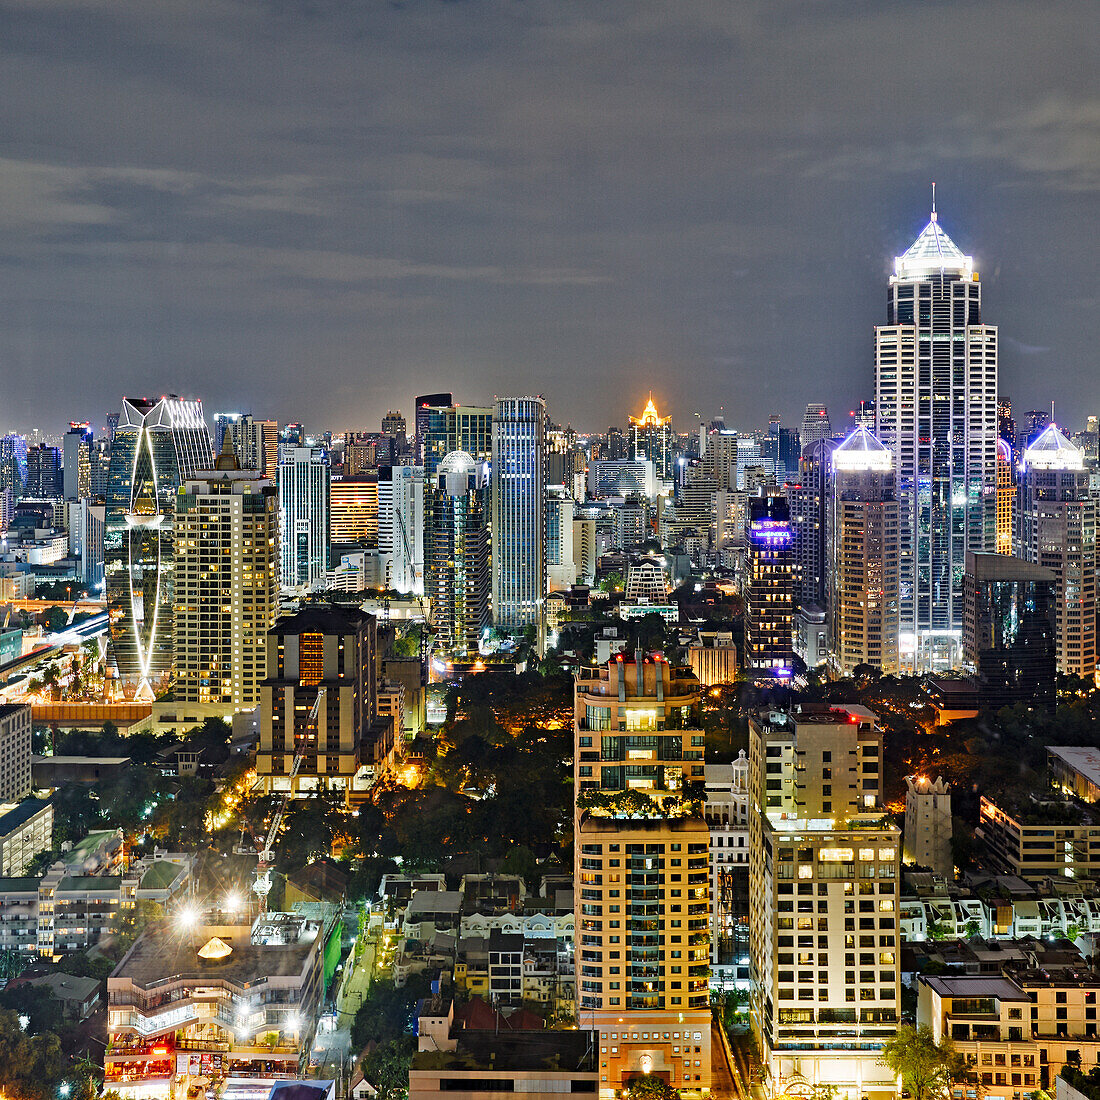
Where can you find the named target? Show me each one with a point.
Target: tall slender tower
(157, 445)
(641, 862)
(1057, 529)
(304, 505)
(519, 514)
(769, 596)
(862, 571)
(936, 410)
(815, 425)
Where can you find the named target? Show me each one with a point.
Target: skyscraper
(401, 525)
(304, 503)
(13, 463)
(815, 425)
(1057, 530)
(641, 867)
(1006, 497)
(936, 408)
(808, 502)
(157, 445)
(652, 437)
(769, 596)
(76, 461)
(226, 557)
(862, 571)
(519, 514)
(458, 551)
(823, 901)
(421, 405)
(44, 473)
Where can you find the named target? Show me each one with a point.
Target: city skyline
(713, 221)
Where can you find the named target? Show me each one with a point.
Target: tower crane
(266, 853)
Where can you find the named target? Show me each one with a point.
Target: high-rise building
(824, 931)
(458, 551)
(15, 752)
(226, 597)
(862, 570)
(615, 449)
(157, 445)
(1006, 497)
(99, 469)
(353, 509)
(1009, 629)
(1057, 530)
(719, 457)
(256, 442)
(329, 653)
(304, 486)
(44, 473)
(76, 461)
(561, 569)
(421, 416)
(651, 437)
(519, 514)
(1006, 425)
(13, 463)
(393, 426)
(769, 595)
(401, 525)
(936, 406)
(1036, 421)
(808, 502)
(815, 425)
(87, 529)
(642, 872)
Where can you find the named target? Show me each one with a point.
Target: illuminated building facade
(304, 501)
(652, 438)
(353, 509)
(769, 594)
(809, 507)
(1057, 530)
(862, 568)
(519, 514)
(936, 411)
(157, 445)
(226, 528)
(823, 903)
(643, 880)
(458, 552)
(1006, 497)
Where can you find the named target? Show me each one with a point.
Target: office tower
(1057, 530)
(99, 469)
(808, 502)
(44, 473)
(421, 405)
(519, 514)
(769, 596)
(304, 487)
(616, 449)
(157, 445)
(719, 456)
(782, 447)
(450, 428)
(76, 462)
(642, 872)
(112, 426)
(1010, 615)
(1035, 423)
(353, 509)
(393, 426)
(13, 463)
(823, 901)
(87, 530)
(651, 437)
(862, 569)
(15, 752)
(815, 425)
(226, 599)
(326, 652)
(561, 569)
(864, 416)
(256, 442)
(936, 404)
(1006, 426)
(622, 477)
(220, 424)
(458, 551)
(1006, 497)
(401, 525)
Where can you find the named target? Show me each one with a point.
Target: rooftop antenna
(934, 200)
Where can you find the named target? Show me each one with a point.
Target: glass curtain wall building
(157, 445)
(936, 410)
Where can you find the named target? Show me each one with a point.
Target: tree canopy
(927, 1068)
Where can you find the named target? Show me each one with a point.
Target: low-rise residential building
(26, 830)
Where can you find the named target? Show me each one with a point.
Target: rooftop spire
(934, 218)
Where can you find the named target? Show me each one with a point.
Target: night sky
(314, 210)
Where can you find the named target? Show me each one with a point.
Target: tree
(42, 1008)
(387, 1013)
(31, 1066)
(387, 1066)
(650, 1087)
(927, 1068)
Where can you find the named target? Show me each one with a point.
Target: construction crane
(266, 853)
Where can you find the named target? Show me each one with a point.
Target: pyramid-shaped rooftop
(1053, 451)
(862, 451)
(933, 251)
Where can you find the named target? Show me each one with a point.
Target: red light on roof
(853, 718)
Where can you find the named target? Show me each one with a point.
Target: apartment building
(1050, 837)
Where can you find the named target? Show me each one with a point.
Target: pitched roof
(933, 251)
(1053, 451)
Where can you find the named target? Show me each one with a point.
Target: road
(358, 984)
(724, 1082)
